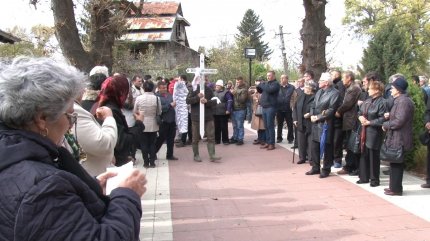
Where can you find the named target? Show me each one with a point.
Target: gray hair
(394, 77)
(29, 86)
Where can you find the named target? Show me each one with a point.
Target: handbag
(158, 115)
(425, 138)
(354, 141)
(391, 154)
(259, 110)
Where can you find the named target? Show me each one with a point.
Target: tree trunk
(314, 34)
(68, 36)
(102, 34)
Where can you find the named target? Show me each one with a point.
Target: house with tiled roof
(162, 24)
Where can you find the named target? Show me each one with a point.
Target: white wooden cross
(200, 72)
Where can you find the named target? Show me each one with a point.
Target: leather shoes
(256, 142)
(264, 146)
(387, 190)
(279, 141)
(425, 185)
(172, 158)
(361, 182)
(301, 162)
(271, 147)
(312, 172)
(342, 172)
(391, 193)
(374, 184)
(324, 174)
(353, 173)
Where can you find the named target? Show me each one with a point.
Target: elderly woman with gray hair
(46, 194)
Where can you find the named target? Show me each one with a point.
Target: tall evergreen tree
(251, 27)
(388, 51)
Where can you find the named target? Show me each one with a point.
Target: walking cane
(294, 151)
(294, 145)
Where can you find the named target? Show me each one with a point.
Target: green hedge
(412, 157)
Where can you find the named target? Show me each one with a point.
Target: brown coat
(348, 109)
(257, 122)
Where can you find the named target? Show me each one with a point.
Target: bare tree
(314, 34)
(106, 22)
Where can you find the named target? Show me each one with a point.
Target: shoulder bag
(391, 154)
(259, 111)
(354, 140)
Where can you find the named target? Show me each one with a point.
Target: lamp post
(250, 53)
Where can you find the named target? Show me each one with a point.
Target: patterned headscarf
(114, 89)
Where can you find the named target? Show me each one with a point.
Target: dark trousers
(396, 177)
(338, 143)
(328, 156)
(261, 135)
(304, 144)
(190, 129)
(147, 145)
(370, 165)
(166, 134)
(287, 116)
(428, 165)
(221, 128)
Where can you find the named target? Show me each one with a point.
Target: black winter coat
(373, 110)
(126, 136)
(326, 104)
(303, 105)
(44, 199)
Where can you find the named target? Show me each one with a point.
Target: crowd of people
(61, 129)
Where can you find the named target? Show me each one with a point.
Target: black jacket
(269, 93)
(284, 97)
(303, 105)
(373, 110)
(46, 195)
(326, 104)
(126, 136)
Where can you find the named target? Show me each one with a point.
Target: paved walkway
(261, 195)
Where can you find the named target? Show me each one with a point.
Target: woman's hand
(103, 179)
(103, 112)
(138, 116)
(136, 182)
(387, 115)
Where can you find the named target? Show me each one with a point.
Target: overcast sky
(215, 20)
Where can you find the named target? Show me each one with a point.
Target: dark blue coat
(40, 201)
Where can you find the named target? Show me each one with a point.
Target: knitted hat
(400, 84)
(220, 82)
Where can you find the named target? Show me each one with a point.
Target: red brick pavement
(260, 195)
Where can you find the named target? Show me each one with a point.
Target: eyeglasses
(72, 118)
